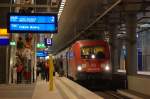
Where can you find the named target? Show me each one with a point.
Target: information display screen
(32, 22)
(41, 54)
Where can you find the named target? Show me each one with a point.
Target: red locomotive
(89, 59)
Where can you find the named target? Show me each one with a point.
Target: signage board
(3, 32)
(4, 37)
(41, 54)
(4, 41)
(48, 41)
(40, 45)
(32, 22)
(13, 43)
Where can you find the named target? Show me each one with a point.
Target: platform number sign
(48, 41)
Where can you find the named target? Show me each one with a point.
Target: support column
(131, 24)
(4, 64)
(114, 49)
(135, 82)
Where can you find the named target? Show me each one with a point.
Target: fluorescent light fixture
(62, 2)
(145, 25)
(60, 12)
(61, 7)
(52, 35)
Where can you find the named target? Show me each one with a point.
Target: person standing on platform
(43, 70)
(27, 64)
(20, 47)
(47, 71)
(19, 72)
(38, 70)
(14, 73)
(61, 66)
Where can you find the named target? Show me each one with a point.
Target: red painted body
(89, 65)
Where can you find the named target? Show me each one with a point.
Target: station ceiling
(89, 19)
(9, 6)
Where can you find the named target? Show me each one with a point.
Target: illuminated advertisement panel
(32, 22)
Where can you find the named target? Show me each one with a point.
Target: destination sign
(33, 27)
(33, 19)
(32, 22)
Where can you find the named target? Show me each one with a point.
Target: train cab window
(92, 52)
(100, 55)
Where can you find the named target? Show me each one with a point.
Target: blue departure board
(32, 22)
(41, 54)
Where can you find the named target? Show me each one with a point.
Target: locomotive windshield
(92, 52)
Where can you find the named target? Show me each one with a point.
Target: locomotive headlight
(107, 68)
(79, 68)
(93, 56)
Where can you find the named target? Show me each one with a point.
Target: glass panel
(92, 52)
(143, 44)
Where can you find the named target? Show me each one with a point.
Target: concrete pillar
(118, 51)
(114, 48)
(131, 23)
(4, 64)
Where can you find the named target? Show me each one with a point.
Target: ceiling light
(61, 7)
(62, 4)
(52, 35)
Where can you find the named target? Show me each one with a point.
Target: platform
(133, 94)
(63, 89)
(16, 91)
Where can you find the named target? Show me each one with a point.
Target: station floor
(63, 89)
